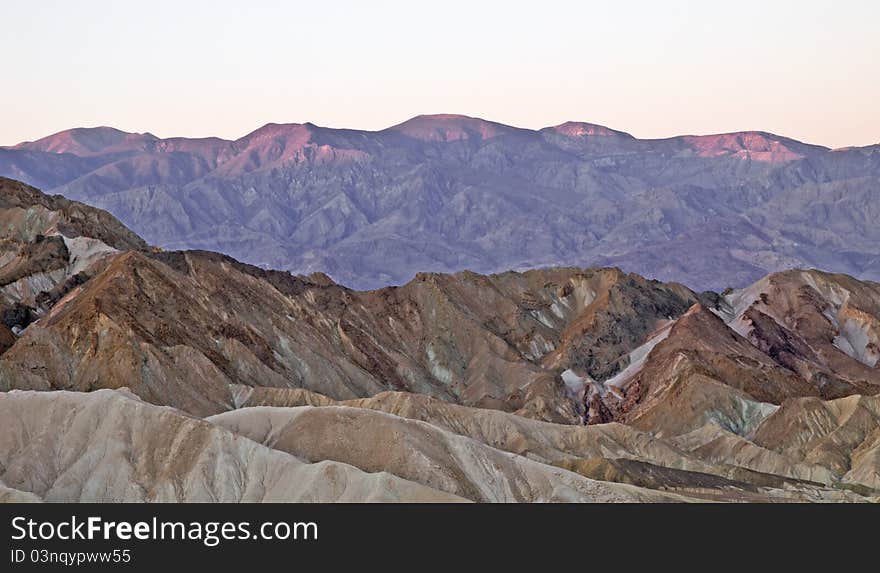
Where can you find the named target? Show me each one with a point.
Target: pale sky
(805, 69)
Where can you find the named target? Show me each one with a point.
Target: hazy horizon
(220, 69)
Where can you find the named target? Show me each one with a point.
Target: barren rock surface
(106, 446)
(130, 373)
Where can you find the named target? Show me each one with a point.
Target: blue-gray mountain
(446, 193)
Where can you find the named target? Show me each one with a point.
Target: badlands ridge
(132, 373)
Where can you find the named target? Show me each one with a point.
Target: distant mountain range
(447, 193)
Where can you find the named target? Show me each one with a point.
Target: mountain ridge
(575, 128)
(448, 192)
(197, 377)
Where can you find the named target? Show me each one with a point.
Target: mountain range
(130, 372)
(446, 193)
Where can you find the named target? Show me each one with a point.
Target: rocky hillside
(196, 377)
(447, 193)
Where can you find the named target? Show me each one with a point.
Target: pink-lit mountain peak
(579, 129)
(289, 132)
(277, 144)
(452, 127)
(755, 145)
(85, 141)
(273, 143)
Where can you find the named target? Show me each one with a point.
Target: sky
(805, 69)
